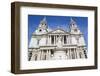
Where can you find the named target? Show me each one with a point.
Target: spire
(73, 26)
(73, 23)
(44, 20)
(43, 25)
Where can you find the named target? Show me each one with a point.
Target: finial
(72, 21)
(44, 19)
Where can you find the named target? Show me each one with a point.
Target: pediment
(57, 31)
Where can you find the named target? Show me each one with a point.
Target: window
(52, 52)
(30, 55)
(85, 53)
(40, 30)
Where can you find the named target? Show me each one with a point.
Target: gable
(57, 31)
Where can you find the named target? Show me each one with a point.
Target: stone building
(58, 44)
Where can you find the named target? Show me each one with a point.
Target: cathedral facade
(58, 44)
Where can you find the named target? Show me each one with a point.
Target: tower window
(40, 30)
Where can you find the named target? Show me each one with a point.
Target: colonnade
(46, 54)
(65, 39)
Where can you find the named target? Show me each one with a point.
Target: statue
(59, 42)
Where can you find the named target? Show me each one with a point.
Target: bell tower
(43, 25)
(73, 27)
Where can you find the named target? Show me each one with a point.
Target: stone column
(54, 39)
(41, 55)
(75, 53)
(66, 39)
(70, 53)
(49, 54)
(66, 53)
(62, 39)
(50, 39)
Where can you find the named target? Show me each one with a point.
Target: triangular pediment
(57, 31)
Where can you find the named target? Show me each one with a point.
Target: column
(55, 39)
(62, 40)
(69, 40)
(41, 55)
(70, 53)
(50, 39)
(66, 53)
(75, 53)
(66, 39)
(49, 54)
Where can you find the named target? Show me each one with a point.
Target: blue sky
(55, 21)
